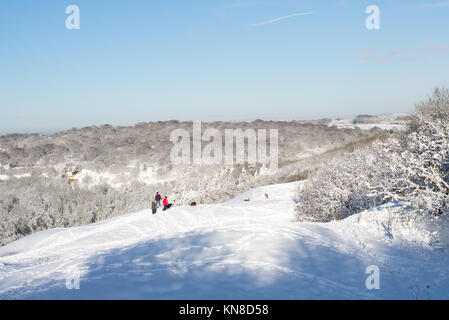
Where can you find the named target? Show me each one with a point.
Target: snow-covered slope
(240, 249)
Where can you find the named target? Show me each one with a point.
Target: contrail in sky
(280, 18)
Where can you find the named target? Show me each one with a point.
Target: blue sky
(139, 60)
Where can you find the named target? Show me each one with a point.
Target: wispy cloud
(280, 19)
(427, 50)
(371, 55)
(434, 48)
(440, 4)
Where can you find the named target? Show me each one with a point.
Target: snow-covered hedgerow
(412, 167)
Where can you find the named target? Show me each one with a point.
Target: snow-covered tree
(412, 168)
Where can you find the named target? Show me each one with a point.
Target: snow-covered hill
(80, 176)
(236, 250)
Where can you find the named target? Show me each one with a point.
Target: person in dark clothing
(158, 199)
(153, 207)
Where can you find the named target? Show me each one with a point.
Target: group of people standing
(157, 203)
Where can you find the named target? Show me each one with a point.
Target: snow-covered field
(235, 250)
(347, 124)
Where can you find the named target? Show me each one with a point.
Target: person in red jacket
(165, 204)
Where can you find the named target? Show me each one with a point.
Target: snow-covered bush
(354, 182)
(427, 153)
(412, 167)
